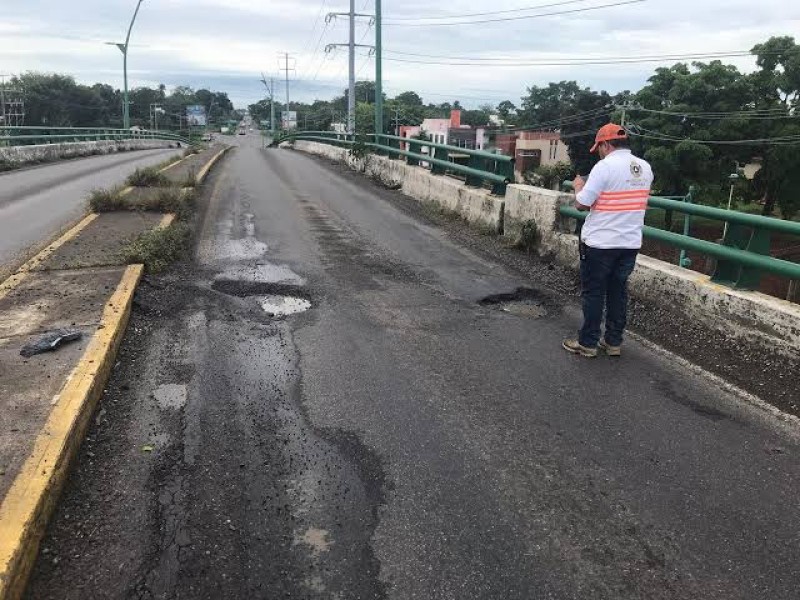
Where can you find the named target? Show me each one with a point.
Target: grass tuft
(106, 200)
(159, 248)
(148, 177)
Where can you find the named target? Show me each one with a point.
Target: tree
(507, 110)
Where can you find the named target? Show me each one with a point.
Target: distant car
(207, 137)
(242, 132)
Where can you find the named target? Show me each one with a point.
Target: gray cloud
(225, 44)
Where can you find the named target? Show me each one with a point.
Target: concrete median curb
(201, 176)
(27, 506)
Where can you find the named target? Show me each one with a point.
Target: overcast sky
(226, 44)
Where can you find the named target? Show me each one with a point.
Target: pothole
(281, 306)
(171, 396)
(524, 302)
(276, 299)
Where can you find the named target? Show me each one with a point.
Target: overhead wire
(518, 18)
(483, 14)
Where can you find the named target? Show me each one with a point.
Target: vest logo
(636, 169)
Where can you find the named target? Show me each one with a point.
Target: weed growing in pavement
(159, 248)
(193, 149)
(189, 180)
(528, 236)
(148, 177)
(106, 200)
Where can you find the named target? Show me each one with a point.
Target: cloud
(218, 43)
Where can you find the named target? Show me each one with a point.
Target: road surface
(35, 203)
(410, 435)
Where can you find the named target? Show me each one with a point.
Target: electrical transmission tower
(12, 105)
(351, 45)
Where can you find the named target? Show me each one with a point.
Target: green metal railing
(29, 136)
(744, 252)
(481, 167)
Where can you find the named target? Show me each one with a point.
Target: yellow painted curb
(27, 506)
(169, 166)
(17, 278)
(201, 176)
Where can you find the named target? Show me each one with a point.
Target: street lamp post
(733, 178)
(126, 115)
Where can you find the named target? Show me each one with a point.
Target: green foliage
(359, 150)
(106, 200)
(148, 177)
(529, 236)
(57, 100)
(551, 176)
(159, 248)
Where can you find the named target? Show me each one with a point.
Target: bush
(189, 180)
(550, 176)
(148, 177)
(106, 200)
(193, 149)
(159, 248)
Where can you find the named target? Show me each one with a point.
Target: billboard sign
(196, 116)
(289, 119)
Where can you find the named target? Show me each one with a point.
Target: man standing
(615, 195)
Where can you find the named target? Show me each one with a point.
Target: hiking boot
(609, 349)
(575, 347)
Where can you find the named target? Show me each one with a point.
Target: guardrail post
(415, 148)
(733, 274)
(477, 163)
(685, 261)
(506, 169)
(436, 169)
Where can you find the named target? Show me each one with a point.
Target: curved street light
(126, 115)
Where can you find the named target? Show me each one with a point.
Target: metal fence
(29, 136)
(477, 167)
(743, 254)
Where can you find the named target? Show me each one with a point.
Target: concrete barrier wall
(15, 156)
(475, 205)
(748, 316)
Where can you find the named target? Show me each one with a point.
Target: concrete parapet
(475, 205)
(16, 156)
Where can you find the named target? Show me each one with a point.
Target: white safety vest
(617, 192)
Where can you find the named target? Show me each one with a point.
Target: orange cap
(609, 132)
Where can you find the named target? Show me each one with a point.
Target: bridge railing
(477, 167)
(28, 136)
(742, 255)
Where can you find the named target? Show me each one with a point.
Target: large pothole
(524, 302)
(276, 299)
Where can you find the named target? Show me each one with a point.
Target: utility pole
(351, 46)
(3, 100)
(271, 89)
(287, 69)
(378, 68)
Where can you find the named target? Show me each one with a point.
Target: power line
(483, 14)
(519, 18)
(572, 59)
(635, 129)
(755, 114)
(562, 62)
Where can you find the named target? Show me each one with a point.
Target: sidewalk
(80, 282)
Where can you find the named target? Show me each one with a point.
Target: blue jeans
(604, 283)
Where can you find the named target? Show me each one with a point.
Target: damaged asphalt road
(337, 400)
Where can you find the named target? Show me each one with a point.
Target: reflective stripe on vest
(626, 201)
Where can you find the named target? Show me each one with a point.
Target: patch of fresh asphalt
(405, 437)
(37, 202)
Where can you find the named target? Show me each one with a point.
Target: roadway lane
(37, 202)
(401, 439)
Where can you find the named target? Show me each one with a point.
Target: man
(616, 196)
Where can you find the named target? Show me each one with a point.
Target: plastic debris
(148, 448)
(51, 342)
